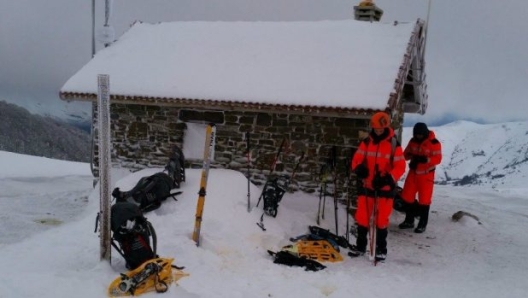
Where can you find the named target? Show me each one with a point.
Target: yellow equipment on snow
(153, 275)
(319, 250)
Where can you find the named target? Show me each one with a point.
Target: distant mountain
(485, 154)
(76, 113)
(23, 132)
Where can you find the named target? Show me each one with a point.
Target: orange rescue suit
(377, 157)
(421, 179)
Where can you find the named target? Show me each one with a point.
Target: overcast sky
(477, 52)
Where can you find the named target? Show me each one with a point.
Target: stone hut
(316, 84)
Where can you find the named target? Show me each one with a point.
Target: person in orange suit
(378, 163)
(424, 152)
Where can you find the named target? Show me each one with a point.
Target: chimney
(367, 11)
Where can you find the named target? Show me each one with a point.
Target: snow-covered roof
(323, 64)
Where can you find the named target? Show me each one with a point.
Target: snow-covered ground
(38, 193)
(451, 259)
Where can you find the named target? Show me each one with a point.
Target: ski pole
(347, 173)
(334, 170)
(319, 208)
(279, 151)
(324, 199)
(374, 229)
(248, 172)
(373, 221)
(325, 185)
(321, 172)
(335, 211)
(297, 166)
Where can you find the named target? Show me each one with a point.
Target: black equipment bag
(131, 234)
(288, 259)
(148, 193)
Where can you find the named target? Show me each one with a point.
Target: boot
(410, 213)
(361, 242)
(424, 218)
(381, 244)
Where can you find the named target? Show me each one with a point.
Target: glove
(415, 160)
(361, 171)
(413, 164)
(381, 181)
(420, 159)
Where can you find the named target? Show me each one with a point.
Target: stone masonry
(143, 135)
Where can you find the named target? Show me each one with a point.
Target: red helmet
(380, 120)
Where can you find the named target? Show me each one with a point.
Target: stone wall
(142, 136)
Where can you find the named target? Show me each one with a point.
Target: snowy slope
(75, 112)
(496, 154)
(451, 259)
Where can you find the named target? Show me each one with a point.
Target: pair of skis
(210, 140)
(327, 169)
(348, 164)
(322, 193)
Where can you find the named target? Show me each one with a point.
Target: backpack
(148, 193)
(176, 167)
(131, 233)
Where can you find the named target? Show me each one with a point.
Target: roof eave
(414, 52)
(227, 105)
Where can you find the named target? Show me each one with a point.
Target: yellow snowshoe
(319, 250)
(153, 275)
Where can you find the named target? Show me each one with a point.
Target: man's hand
(420, 159)
(381, 181)
(415, 160)
(361, 171)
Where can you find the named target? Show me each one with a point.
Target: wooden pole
(103, 120)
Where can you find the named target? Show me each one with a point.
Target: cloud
(477, 60)
(477, 53)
